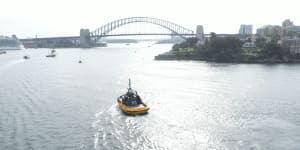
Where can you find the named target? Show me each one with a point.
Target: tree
(224, 49)
(273, 50)
(275, 36)
(249, 40)
(260, 42)
(191, 42)
(212, 35)
(176, 47)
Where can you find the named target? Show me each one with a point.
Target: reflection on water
(56, 103)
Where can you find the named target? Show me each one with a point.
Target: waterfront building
(289, 29)
(290, 37)
(249, 45)
(292, 45)
(295, 47)
(293, 29)
(269, 32)
(10, 43)
(287, 35)
(246, 29)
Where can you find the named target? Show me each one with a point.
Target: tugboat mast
(129, 83)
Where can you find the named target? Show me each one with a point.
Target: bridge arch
(174, 28)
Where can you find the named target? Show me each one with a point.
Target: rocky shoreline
(172, 56)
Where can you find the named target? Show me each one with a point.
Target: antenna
(129, 84)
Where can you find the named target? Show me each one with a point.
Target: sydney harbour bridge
(89, 38)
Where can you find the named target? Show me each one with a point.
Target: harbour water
(57, 103)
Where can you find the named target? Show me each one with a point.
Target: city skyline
(63, 18)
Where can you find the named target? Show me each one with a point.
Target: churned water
(57, 103)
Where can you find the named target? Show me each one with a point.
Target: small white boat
(52, 53)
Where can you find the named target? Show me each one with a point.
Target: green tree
(249, 40)
(272, 50)
(176, 47)
(213, 35)
(275, 36)
(224, 49)
(260, 42)
(191, 42)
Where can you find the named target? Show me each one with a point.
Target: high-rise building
(245, 29)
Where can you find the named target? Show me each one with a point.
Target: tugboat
(131, 103)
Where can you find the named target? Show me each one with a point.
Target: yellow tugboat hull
(133, 110)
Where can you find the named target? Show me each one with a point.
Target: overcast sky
(26, 18)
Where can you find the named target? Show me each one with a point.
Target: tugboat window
(132, 101)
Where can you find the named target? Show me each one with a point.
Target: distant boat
(101, 44)
(52, 53)
(80, 61)
(26, 57)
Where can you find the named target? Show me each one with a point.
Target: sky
(48, 18)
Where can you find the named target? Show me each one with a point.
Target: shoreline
(168, 57)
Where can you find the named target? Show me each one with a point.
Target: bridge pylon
(85, 38)
(200, 34)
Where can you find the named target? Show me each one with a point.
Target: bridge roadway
(114, 35)
(109, 35)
